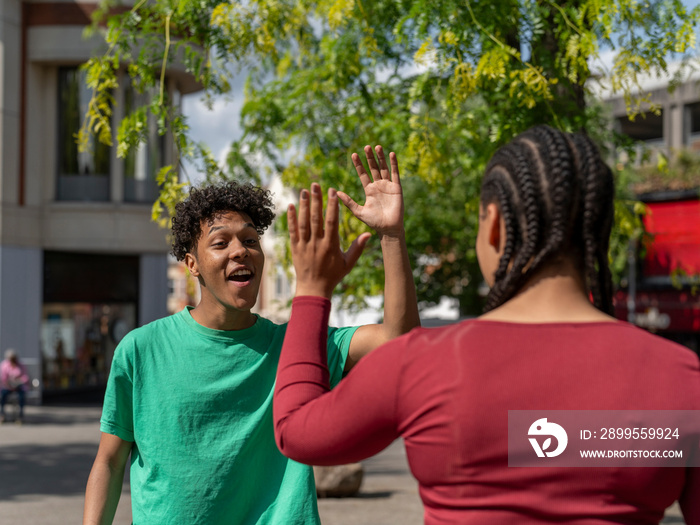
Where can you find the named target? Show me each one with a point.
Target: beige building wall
(37, 39)
(676, 116)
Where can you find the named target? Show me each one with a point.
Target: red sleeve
(318, 426)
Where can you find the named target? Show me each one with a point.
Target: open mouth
(241, 276)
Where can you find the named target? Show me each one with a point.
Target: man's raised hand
(383, 208)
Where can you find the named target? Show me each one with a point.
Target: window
(90, 302)
(648, 129)
(82, 176)
(142, 164)
(78, 342)
(692, 126)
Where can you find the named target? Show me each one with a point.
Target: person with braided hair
(547, 341)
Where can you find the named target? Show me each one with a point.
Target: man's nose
(238, 250)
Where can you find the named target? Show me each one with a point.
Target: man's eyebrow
(216, 228)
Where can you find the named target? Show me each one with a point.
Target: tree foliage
(443, 83)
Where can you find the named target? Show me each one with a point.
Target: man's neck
(218, 317)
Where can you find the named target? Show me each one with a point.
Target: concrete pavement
(44, 465)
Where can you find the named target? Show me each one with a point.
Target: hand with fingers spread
(383, 208)
(319, 261)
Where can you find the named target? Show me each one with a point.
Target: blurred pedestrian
(13, 378)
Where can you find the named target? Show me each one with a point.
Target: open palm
(383, 207)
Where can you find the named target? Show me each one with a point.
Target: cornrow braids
(516, 159)
(499, 189)
(555, 194)
(559, 168)
(598, 212)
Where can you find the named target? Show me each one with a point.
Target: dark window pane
(692, 126)
(90, 278)
(693, 113)
(646, 127)
(81, 175)
(142, 164)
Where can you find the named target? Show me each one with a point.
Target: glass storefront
(78, 342)
(90, 304)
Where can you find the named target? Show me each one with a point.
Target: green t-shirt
(197, 403)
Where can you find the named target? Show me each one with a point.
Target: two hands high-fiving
(318, 258)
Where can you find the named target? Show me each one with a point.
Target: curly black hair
(208, 202)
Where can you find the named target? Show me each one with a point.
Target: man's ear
(191, 263)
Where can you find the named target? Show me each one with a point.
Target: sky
(219, 126)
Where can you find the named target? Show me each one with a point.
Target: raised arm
(313, 424)
(383, 211)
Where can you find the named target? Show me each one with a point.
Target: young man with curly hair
(190, 396)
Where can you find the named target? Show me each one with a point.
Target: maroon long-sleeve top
(447, 392)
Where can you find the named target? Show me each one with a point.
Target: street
(45, 463)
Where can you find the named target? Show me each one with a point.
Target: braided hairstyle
(555, 195)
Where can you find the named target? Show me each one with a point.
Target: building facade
(673, 125)
(81, 262)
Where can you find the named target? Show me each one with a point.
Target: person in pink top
(13, 378)
(546, 342)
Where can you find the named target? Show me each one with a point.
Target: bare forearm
(400, 303)
(102, 494)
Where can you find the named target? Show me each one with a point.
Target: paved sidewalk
(44, 466)
(45, 463)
